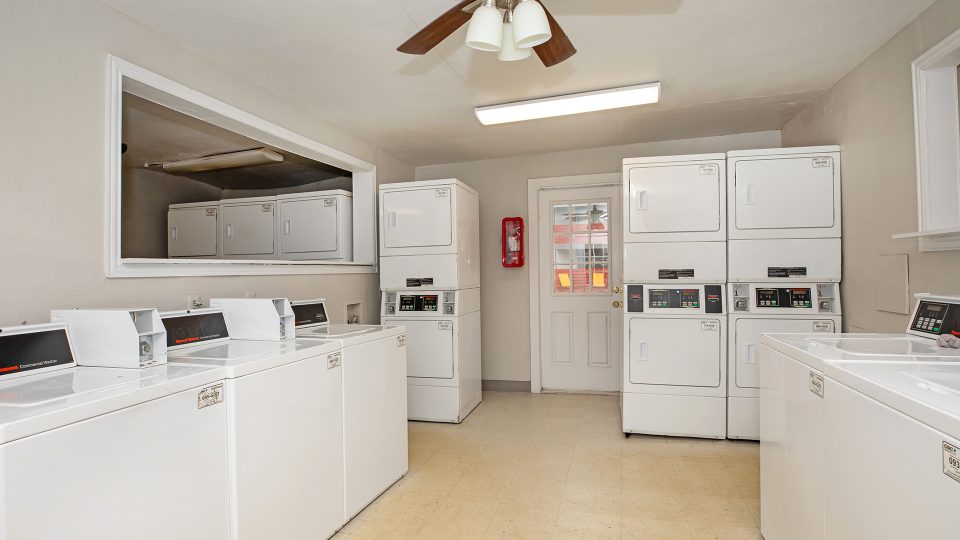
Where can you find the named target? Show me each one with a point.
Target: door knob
(617, 304)
(616, 290)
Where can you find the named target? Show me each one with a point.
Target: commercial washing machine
(285, 423)
(443, 350)
(106, 453)
(800, 406)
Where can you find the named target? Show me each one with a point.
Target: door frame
(534, 187)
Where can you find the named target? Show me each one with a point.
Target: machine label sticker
(333, 360)
(329, 202)
(266, 208)
(445, 325)
(951, 461)
(441, 193)
(816, 384)
(709, 326)
(786, 272)
(210, 395)
(709, 170)
(823, 326)
(401, 341)
(821, 162)
(211, 212)
(676, 273)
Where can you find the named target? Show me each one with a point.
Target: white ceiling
(727, 66)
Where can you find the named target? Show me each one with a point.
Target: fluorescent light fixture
(245, 158)
(600, 100)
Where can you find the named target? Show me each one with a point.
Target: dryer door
(247, 229)
(681, 197)
(746, 335)
(785, 193)
(417, 218)
(429, 347)
(676, 351)
(192, 231)
(309, 225)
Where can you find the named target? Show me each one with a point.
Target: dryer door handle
(391, 219)
(643, 351)
(229, 230)
(751, 194)
(641, 199)
(751, 353)
(173, 233)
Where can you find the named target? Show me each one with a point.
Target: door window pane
(581, 255)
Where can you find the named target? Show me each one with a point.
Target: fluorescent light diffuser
(600, 100)
(245, 158)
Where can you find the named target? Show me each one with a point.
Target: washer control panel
(936, 318)
(419, 302)
(692, 299)
(783, 298)
(799, 297)
(428, 303)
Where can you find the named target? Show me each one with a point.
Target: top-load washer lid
(883, 345)
(928, 393)
(336, 331)
(239, 358)
(38, 403)
(819, 350)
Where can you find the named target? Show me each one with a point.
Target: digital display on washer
(936, 318)
(419, 302)
(785, 298)
(675, 298)
(34, 350)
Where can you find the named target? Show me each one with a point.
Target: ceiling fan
(513, 29)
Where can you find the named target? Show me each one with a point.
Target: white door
(747, 334)
(785, 193)
(680, 351)
(193, 232)
(429, 347)
(309, 225)
(679, 197)
(248, 229)
(579, 267)
(418, 217)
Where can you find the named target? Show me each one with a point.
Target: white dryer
(317, 225)
(374, 360)
(796, 374)
(285, 425)
(248, 228)
(784, 208)
(107, 453)
(769, 308)
(675, 224)
(443, 351)
(674, 377)
(429, 235)
(193, 230)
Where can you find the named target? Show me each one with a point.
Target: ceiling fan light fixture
(530, 25)
(485, 32)
(510, 52)
(600, 100)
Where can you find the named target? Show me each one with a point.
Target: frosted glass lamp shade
(485, 32)
(510, 52)
(530, 25)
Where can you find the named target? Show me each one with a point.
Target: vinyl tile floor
(558, 466)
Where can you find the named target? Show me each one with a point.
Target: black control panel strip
(191, 329)
(20, 353)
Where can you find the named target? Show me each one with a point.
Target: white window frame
(153, 87)
(936, 100)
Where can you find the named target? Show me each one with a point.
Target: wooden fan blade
(559, 48)
(441, 28)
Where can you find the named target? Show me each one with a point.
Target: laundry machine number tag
(709, 326)
(333, 360)
(441, 193)
(816, 384)
(951, 461)
(822, 162)
(707, 170)
(446, 325)
(210, 395)
(211, 212)
(823, 326)
(266, 208)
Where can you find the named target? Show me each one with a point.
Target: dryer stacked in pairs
(430, 283)
(755, 234)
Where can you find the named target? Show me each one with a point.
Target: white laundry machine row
(784, 214)
(675, 361)
(429, 235)
(284, 422)
(314, 225)
(89, 452)
(374, 364)
(858, 432)
(443, 355)
(769, 308)
(675, 225)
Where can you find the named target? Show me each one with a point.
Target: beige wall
(870, 114)
(53, 180)
(502, 184)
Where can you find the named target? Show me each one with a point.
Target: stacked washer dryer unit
(784, 260)
(674, 372)
(430, 278)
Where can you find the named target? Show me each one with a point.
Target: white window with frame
(936, 95)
